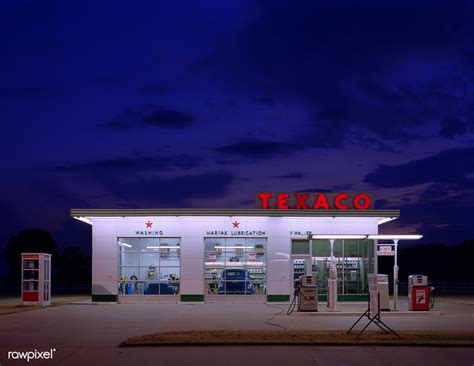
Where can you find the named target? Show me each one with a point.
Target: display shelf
(239, 252)
(298, 268)
(257, 274)
(259, 249)
(164, 252)
(212, 275)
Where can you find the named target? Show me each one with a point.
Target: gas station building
(205, 255)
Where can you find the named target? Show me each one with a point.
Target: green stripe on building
(105, 298)
(192, 298)
(278, 298)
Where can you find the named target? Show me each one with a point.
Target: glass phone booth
(36, 279)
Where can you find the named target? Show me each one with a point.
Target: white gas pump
(305, 294)
(308, 294)
(382, 289)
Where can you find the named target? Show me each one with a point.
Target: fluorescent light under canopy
(396, 237)
(338, 236)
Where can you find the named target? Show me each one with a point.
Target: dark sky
(203, 103)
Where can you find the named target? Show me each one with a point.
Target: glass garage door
(235, 266)
(148, 266)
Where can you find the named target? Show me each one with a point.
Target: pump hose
(294, 302)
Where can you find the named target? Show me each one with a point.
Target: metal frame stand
(373, 319)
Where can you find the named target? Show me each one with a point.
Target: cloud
(372, 143)
(381, 203)
(247, 203)
(127, 164)
(266, 99)
(439, 211)
(174, 191)
(452, 126)
(29, 93)
(153, 89)
(440, 218)
(296, 175)
(448, 166)
(316, 190)
(387, 70)
(148, 180)
(259, 149)
(151, 116)
(109, 81)
(9, 215)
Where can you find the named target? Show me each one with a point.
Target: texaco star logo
(235, 224)
(148, 224)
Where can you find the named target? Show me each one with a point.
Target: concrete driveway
(89, 332)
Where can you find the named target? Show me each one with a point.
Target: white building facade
(205, 255)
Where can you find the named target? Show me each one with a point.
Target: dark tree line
(439, 262)
(72, 264)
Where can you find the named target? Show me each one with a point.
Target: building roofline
(79, 212)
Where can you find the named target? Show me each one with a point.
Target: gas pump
(305, 297)
(308, 294)
(418, 293)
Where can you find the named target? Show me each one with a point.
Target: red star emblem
(235, 224)
(148, 224)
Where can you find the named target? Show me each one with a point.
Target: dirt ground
(266, 337)
(456, 299)
(11, 305)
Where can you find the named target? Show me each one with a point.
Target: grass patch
(300, 337)
(12, 305)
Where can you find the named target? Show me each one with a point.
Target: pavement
(80, 333)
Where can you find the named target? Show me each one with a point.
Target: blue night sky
(140, 104)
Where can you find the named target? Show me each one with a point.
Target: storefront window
(300, 247)
(148, 266)
(353, 261)
(235, 266)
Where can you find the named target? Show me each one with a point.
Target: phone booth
(36, 279)
(418, 293)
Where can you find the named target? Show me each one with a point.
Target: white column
(332, 281)
(309, 262)
(395, 276)
(376, 258)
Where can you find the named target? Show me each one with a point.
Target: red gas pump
(418, 293)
